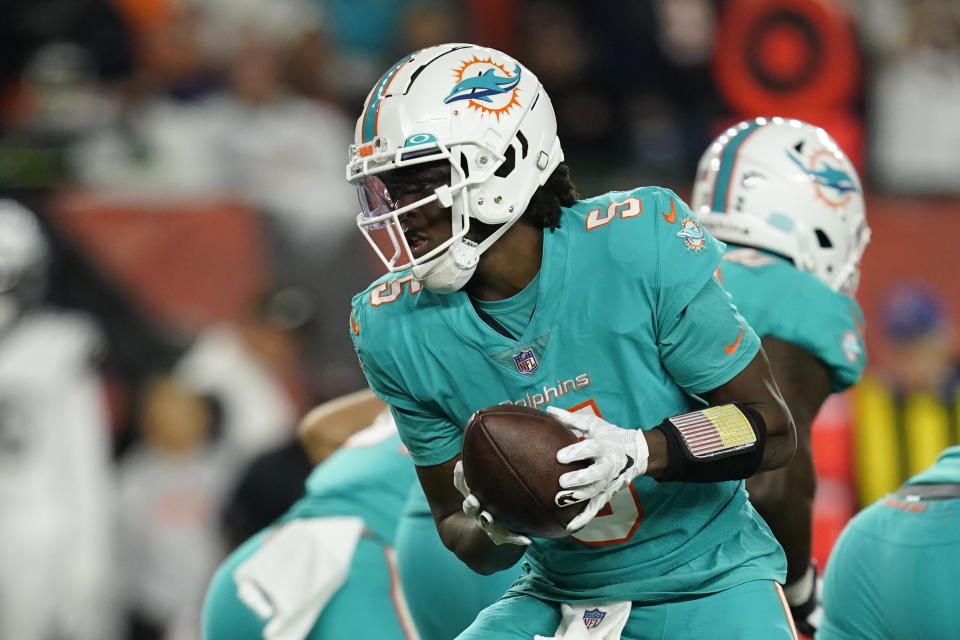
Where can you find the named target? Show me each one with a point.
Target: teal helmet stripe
(725, 173)
(369, 129)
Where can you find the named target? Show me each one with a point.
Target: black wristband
(697, 453)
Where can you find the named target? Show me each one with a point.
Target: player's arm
(328, 425)
(749, 425)
(710, 350)
(755, 392)
(459, 531)
(784, 497)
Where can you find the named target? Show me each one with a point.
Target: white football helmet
(475, 108)
(24, 258)
(785, 186)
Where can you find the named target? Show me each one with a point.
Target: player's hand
(618, 455)
(807, 612)
(471, 506)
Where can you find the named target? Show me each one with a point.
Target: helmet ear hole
(823, 239)
(509, 162)
(464, 165)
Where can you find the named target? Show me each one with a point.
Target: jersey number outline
(629, 208)
(618, 520)
(387, 292)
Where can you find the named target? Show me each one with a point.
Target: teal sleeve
(834, 335)
(708, 342)
(784, 302)
(687, 256)
(429, 439)
(378, 378)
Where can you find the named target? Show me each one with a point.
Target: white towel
(294, 574)
(594, 621)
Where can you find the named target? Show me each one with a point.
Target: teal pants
(751, 611)
(443, 594)
(893, 573)
(362, 608)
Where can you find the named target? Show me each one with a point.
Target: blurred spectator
(629, 82)
(56, 538)
(916, 139)
(921, 350)
(162, 140)
(232, 98)
(255, 369)
(368, 38)
(54, 58)
(907, 406)
(284, 153)
(171, 487)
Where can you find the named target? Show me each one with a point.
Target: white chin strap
(450, 271)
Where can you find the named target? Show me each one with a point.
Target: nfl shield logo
(526, 362)
(593, 617)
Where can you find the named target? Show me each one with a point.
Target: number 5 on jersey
(619, 518)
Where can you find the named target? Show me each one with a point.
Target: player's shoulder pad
(841, 329)
(825, 322)
(641, 223)
(609, 211)
(386, 300)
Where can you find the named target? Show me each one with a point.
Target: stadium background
(186, 158)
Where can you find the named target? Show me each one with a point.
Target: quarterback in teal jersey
(893, 573)
(326, 568)
(503, 286)
(789, 205)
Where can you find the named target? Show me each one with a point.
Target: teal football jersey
(782, 301)
(893, 571)
(370, 477)
(630, 324)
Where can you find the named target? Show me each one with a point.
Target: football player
(789, 205)
(326, 568)
(893, 572)
(504, 286)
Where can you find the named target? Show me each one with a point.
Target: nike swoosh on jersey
(673, 213)
(731, 348)
(354, 325)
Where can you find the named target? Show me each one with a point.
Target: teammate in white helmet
(789, 205)
(504, 287)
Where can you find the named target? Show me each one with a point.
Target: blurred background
(183, 296)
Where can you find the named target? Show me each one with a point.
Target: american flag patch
(715, 431)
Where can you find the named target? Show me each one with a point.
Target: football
(510, 464)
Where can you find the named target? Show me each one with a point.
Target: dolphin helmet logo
(833, 186)
(486, 86)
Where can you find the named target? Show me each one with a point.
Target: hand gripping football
(510, 465)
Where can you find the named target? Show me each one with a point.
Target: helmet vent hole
(509, 162)
(823, 239)
(465, 166)
(523, 144)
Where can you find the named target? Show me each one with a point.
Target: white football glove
(619, 455)
(471, 506)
